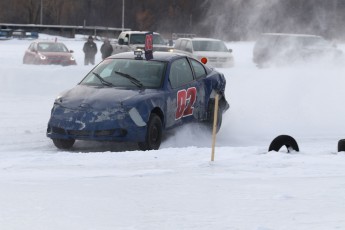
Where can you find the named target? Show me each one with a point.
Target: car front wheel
(153, 134)
(63, 143)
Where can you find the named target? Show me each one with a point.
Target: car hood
(91, 97)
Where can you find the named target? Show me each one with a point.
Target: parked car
(128, 98)
(5, 34)
(48, 52)
(215, 50)
(133, 40)
(19, 33)
(282, 49)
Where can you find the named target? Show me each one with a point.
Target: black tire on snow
(153, 137)
(63, 143)
(283, 140)
(341, 145)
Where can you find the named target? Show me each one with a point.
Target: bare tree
(228, 19)
(53, 11)
(27, 10)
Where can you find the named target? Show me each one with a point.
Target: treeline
(226, 19)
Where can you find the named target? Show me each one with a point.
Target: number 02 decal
(185, 102)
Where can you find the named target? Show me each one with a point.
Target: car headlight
(58, 100)
(42, 57)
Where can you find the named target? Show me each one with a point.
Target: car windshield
(217, 46)
(299, 42)
(315, 42)
(52, 47)
(140, 39)
(130, 73)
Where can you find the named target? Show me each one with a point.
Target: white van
(215, 50)
(286, 49)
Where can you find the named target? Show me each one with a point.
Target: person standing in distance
(90, 50)
(106, 49)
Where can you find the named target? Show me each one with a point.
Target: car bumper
(57, 62)
(220, 62)
(110, 125)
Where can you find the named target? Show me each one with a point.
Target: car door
(30, 53)
(200, 74)
(123, 43)
(186, 94)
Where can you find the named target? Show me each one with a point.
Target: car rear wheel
(153, 134)
(63, 143)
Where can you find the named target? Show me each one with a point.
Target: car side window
(34, 47)
(198, 69)
(122, 35)
(31, 47)
(177, 44)
(183, 44)
(180, 73)
(189, 47)
(126, 39)
(123, 39)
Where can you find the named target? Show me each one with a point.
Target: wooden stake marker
(214, 130)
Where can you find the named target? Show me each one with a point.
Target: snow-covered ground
(104, 186)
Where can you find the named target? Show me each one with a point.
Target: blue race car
(129, 98)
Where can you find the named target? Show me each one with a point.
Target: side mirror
(120, 41)
(230, 50)
(171, 42)
(189, 50)
(126, 41)
(71, 51)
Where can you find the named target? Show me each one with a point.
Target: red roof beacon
(149, 46)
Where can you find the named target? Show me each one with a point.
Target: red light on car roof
(203, 60)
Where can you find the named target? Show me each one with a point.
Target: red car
(47, 52)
